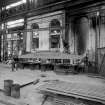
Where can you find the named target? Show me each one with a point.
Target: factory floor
(29, 94)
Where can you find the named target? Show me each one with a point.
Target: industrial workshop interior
(52, 52)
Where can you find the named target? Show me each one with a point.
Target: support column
(63, 32)
(5, 53)
(97, 43)
(0, 44)
(24, 36)
(28, 40)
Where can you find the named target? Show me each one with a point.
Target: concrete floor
(29, 94)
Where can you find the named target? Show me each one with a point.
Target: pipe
(33, 82)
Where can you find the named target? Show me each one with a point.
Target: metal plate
(91, 92)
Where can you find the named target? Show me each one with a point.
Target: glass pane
(55, 41)
(8, 35)
(55, 23)
(35, 34)
(35, 43)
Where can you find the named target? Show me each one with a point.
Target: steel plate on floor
(78, 90)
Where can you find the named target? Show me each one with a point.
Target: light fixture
(55, 31)
(2, 26)
(15, 4)
(24, 1)
(98, 13)
(15, 23)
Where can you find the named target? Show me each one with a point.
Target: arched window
(35, 34)
(55, 32)
(35, 26)
(55, 23)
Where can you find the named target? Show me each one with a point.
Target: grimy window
(55, 34)
(35, 34)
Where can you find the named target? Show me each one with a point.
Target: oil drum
(7, 87)
(15, 91)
